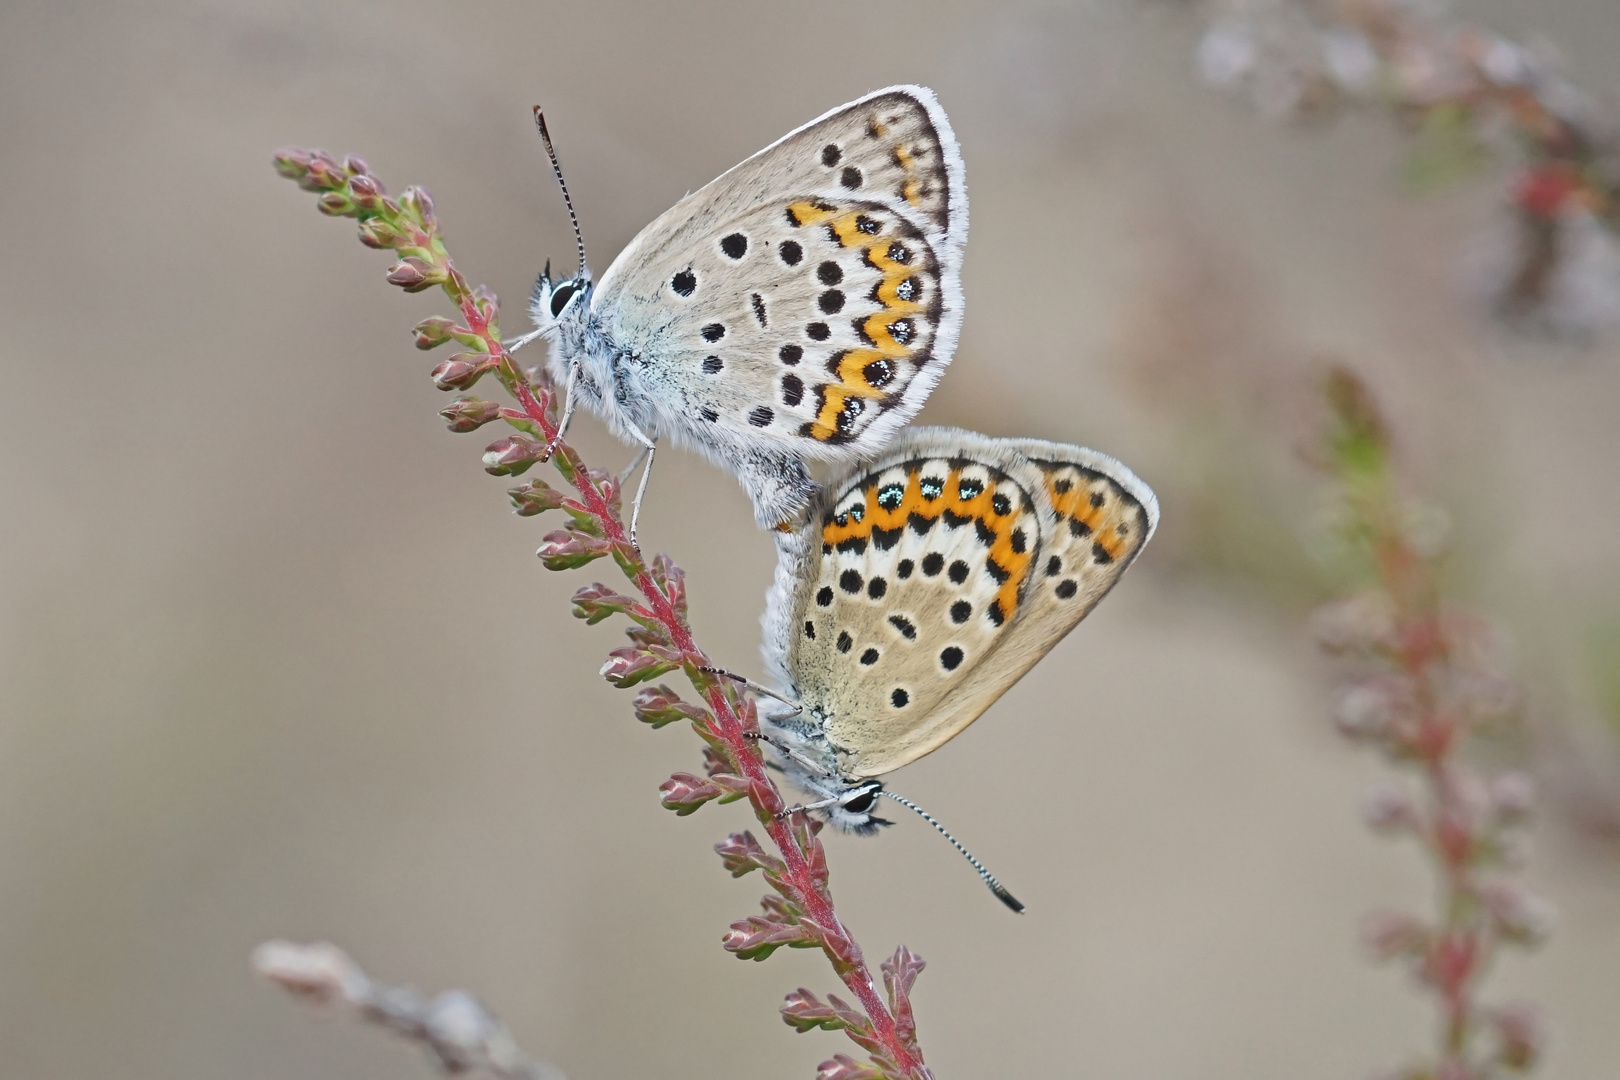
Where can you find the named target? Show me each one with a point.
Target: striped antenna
(556, 167)
(989, 879)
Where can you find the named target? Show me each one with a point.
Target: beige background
(276, 660)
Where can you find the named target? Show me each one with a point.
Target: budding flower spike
(799, 911)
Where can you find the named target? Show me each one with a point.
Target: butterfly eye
(861, 803)
(559, 299)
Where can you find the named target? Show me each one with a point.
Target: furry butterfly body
(923, 586)
(800, 306)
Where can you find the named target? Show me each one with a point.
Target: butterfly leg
(518, 342)
(649, 448)
(753, 686)
(569, 400)
(789, 751)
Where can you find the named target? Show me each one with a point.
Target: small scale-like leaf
(844, 1067)
(684, 793)
(742, 855)
(596, 602)
(757, 936)
(671, 581)
(803, 1012)
(628, 666)
(659, 705)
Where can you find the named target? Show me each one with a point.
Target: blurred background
(276, 659)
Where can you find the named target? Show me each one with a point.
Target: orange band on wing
(1003, 548)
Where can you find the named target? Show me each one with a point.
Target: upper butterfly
(922, 588)
(802, 304)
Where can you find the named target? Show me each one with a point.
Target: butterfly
(802, 305)
(923, 586)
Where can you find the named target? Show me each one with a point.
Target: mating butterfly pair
(802, 306)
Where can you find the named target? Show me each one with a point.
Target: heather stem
(409, 227)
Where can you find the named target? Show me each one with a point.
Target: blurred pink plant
(1421, 680)
(1471, 95)
(799, 913)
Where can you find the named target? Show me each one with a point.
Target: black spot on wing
(684, 282)
(735, 245)
(904, 625)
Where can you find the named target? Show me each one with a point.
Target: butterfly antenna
(556, 167)
(989, 879)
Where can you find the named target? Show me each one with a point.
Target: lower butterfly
(924, 585)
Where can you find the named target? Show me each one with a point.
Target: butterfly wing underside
(986, 557)
(810, 295)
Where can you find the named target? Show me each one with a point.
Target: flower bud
(684, 793)
(1389, 934)
(465, 1035)
(355, 165)
(1520, 1033)
(512, 455)
(1520, 915)
(628, 666)
(1387, 810)
(659, 705)
(1363, 711)
(469, 413)
(419, 204)
(414, 274)
(1513, 794)
(321, 971)
(433, 332)
(292, 163)
(535, 497)
(461, 371)
(742, 854)
(334, 204)
(377, 233)
(567, 549)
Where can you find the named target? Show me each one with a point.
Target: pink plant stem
(838, 944)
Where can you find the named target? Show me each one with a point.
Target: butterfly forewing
(809, 296)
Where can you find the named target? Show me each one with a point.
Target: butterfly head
(853, 811)
(555, 303)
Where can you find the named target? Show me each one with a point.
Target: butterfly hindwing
(808, 298)
(933, 580)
